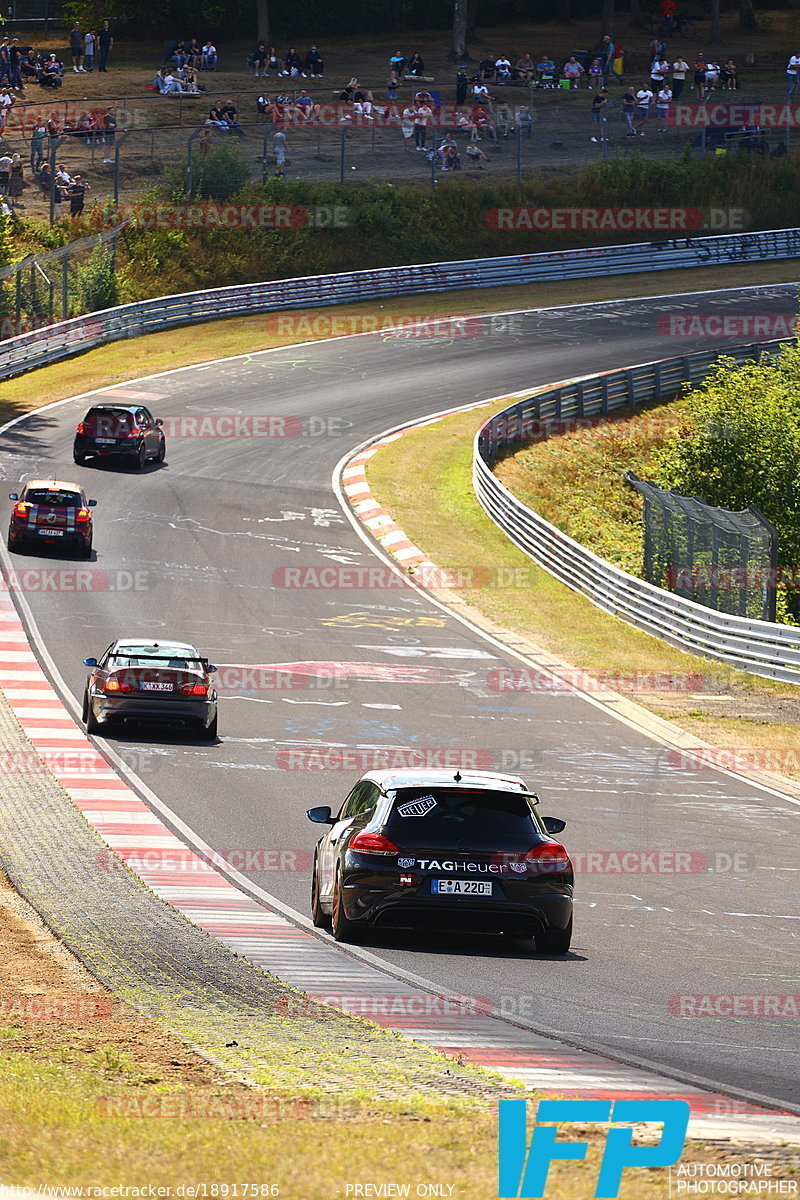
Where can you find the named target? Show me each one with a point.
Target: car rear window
(108, 422)
(142, 655)
(53, 499)
(461, 812)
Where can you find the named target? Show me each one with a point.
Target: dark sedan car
(159, 682)
(121, 431)
(50, 512)
(433, 849)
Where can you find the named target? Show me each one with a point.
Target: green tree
(741, 446)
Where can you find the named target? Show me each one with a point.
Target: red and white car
(51, 512)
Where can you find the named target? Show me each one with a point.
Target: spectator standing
(109, 134)
(462, 84)
(45, 179)
(89, 44)
(680, 69)
(644, 99)
(659, 69)
(610, 53)
(4, 60)
(15, 65)
(37, 146)
(628, 105)
(279, 144)
(392, 84)
(76, 193)
(6, 102)
(16, 181)
(663, 101)
(105, 42)
(76, 47)
(600, 113)
(699, 67)
(792, 77)
(422, 115)
(5, 173)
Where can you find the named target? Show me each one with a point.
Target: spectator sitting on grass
(503, 117)
(231, 118)
(293, 65)
(166, 83)
(194, 55)
(416, 67)
(524, 68)
(188, 77)
(179, 55)
(595, 74)
(209, 53)
(547, 71)
(449, 156)
(50, 76)
(348, 91)
(480, 119)
(572, 71)
(480, 94)
(476, 156)
(314, 64)
(486, 68)
(397, 63)
(503, 68)
(29, 67)
(216, 117)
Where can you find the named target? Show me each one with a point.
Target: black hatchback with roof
(438, 849)
(119, 430)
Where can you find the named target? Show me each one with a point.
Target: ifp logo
(523, 1169)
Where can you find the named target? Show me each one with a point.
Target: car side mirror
(554, 824)
(211, 669)
(91, 504)
(321, 816)
(90, 662)
(159, 422)
(13, 495)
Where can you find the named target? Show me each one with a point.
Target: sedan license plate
(105, 441)
(156, 687)
(461, 887)
(51, 532)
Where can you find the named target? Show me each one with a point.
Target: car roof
(53, 485)
(389, 780)
(131, 408)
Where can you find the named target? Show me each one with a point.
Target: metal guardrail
(755, 646)
(55, 342)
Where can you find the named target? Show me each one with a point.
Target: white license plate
(156, 687)
(51, 532)
(461, 887)
(105, 441)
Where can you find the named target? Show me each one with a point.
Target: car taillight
(372, 843)
(81, 428)
(194, 689)
(547, 858)
(21, 509)
(82, 514)
(133, 432)
(117, 685)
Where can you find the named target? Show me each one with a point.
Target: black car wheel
(554, 941)
(343, 929)
(85, 551)
(141, 458)
(162, 452)
(15, 547)
(89, 719)
(80, 459)
(319, 919)
(209, 732)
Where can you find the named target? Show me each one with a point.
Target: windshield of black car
(109, 422)
(53, 499)
(461, 813)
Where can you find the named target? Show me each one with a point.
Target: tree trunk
(608, 18)
(262, 15)
(459, 31)
(747, 17)
(472, 19)
(716, 27)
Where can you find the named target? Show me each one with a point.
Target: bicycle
(679, 24)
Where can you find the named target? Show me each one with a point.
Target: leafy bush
(218, 171)
(95, 284)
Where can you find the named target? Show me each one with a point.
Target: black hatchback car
(433, 849)
(120, 431)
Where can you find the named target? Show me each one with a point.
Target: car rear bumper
(87, 445)
(393, 907)
(151, 709)
(30, 537)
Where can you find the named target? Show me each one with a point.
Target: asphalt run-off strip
(181, 940)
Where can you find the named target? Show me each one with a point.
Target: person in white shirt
(792, 77)
(209, 57)
(644, 98)
(663, 101)
(679, 70)
(713, 72)
(480, 93)
(503, 67)
(658, 72)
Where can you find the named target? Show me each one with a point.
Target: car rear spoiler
(159, 658)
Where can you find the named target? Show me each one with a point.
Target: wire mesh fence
(721, 559)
